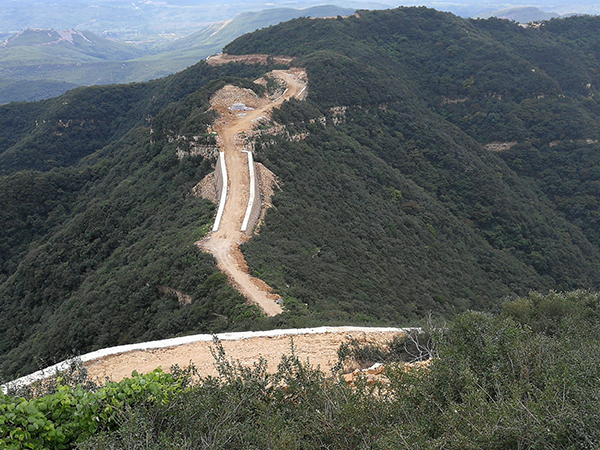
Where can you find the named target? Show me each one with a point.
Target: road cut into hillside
(224, 243)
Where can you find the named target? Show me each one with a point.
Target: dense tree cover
(87, 250)
(568, 172)
(423, 91)
(365, 226)
(390, 209)
(525, 378)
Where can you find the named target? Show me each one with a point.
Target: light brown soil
(318, 349)
(216, 60)
(500, 146)
(224, 243)
(206, 189)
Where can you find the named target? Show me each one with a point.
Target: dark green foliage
(89, 252)
(567, 172)
(390, 207)
(522, 379)
(32, 203)
(422, 91)
(73, 126)
(336, 204)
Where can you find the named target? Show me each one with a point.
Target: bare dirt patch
(206, 189)
(500, 146)
(318, 349)
(228, 95)
(267, 181)
(223, 58)
(224, 243)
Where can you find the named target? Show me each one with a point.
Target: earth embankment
(223, 243)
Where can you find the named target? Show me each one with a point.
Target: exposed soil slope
(224, 243)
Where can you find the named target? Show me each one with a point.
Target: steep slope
(420, 174)
(402, 190)
(96, 252)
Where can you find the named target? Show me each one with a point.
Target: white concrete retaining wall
(221, 187)
(254, 203)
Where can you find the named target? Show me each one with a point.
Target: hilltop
(436, 165)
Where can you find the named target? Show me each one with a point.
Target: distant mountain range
(523, 14)
(40, 63)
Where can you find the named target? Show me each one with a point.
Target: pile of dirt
(224, 98)
(206, 189)
(267, 181)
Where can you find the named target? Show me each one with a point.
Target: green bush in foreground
(58, 420)
(526, 378)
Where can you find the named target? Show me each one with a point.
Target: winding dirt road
(224, 243)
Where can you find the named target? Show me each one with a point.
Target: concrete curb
(223, 198)
(252, 191)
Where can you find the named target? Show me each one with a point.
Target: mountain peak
(32, 37)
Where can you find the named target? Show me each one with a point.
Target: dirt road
(224, 243)
(319, 349)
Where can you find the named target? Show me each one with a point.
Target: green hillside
(446, 164)
(30, 47)
(425, 91)
(28, 91)
(97, 216)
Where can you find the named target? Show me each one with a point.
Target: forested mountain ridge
(77, 237)
(393, 201)
(531, 89)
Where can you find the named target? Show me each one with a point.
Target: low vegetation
(523, 378)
